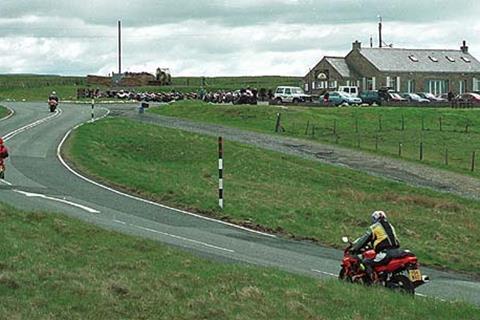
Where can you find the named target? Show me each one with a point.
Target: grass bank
(53, 267)
(443, 138)
(3, 112)
(284, 194)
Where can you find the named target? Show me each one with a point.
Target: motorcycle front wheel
(343, 276)
(401, 283)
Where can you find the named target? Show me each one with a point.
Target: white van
(291, 95)
(351, 90)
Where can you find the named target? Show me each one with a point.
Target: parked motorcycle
(52, 104)
(400, 272)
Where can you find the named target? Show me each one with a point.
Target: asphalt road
(36, 179)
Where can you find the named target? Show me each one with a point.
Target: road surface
(36, 179)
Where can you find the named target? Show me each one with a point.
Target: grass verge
(444, 138)
(54, 267)
(3, 112)
(283, 194)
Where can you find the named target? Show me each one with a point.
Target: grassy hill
(53, 267)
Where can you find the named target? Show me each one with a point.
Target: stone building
(403, 70)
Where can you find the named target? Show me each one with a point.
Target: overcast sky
(219, 37)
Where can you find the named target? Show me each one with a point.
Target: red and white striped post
(93, 106)
(220, 172)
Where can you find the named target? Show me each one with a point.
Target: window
(466, 59)
(333, 84)
(413, 58)
(313, 85)
(433, 58)
(411, 88)
(288, 91)
(451, 59)
(306, 86)
(462, 86)
(279, 90)
(437, 87)
(476, 85)
(371, 83)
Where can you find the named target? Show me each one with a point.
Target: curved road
(37, 180)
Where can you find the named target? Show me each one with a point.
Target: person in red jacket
(3, 156)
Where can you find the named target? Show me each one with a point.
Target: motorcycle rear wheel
(401, 283)
(342, 276)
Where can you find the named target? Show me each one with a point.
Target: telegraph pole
(119, 47)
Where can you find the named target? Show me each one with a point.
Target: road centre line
(184, 239)
(15, 132)
(64, 163)
(42, 196)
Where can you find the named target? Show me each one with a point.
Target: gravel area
(393, 169)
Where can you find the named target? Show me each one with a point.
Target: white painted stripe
(15, 132)
(326, 273)
(42, 196)
(5, 182)
(220, 164)
(64, 163)
(220, 184)
(119, 221)
(12, 112)
(220, 203)
(185, 239)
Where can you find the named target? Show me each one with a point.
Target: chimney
(356, 45)
(464, 48)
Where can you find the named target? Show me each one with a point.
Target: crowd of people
(242, 96)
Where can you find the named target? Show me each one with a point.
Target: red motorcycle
(52, 104)
(400, 271)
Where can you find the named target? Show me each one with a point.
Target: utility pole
(119, 47)
(380, 40)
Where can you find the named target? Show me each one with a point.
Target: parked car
(351, 90)
(291, 95)
(388, 94)
(338, 98)
(471, 98)
(415, 98)
(371, 97)
(432, 97)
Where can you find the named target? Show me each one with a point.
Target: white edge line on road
(64, 163)
(184, 239)
(119, 221)
(326, 273)
(12, 112)
(5, 182)
(42, 196)
(15, 132)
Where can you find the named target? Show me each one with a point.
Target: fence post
(400, 149)
(356, 125)
(335, 127)
(403, 122)
(466, 128)
(277, 124)
(313, 130)
(358, 141)
(376, 142)
(380, 123)
(308, 126)
(446, 156)
(473, 161)
(220, 172)
(440, 121)
(421, 151)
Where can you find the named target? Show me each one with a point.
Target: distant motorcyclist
(53, 101)
(3, 156)
(381, 237)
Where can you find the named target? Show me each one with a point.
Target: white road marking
(5, 182)
(184, 239)
(15, 132)
(118, 221)
(64, 163)
(42, 196)
(326, 273)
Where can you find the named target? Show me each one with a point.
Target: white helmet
(54, 93)
(378, 215)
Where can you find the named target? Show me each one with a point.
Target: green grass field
(3, 112)
(380, 130)
(284, 194)
(53, 267)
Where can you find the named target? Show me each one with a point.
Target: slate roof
(340, 65)
(398, 60)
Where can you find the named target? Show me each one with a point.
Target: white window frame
(399, 85)
(374, 83)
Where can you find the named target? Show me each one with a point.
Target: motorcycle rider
(382, 238)
(3, 156)
(53, 96)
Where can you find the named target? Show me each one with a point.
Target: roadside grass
(283, 194)
(3, 112)
(379, 129)
(54, 267)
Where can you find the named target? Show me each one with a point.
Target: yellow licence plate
(415, 275)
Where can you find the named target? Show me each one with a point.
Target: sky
(219, 37)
